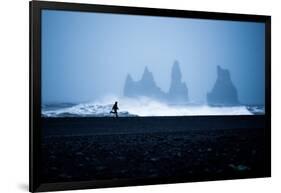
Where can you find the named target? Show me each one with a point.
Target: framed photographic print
(123, 96)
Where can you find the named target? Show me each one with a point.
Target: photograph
(150, 97)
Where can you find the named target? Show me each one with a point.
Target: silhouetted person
(114, 109)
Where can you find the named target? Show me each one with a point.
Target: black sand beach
(201, 148)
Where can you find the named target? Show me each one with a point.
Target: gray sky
(86, 56)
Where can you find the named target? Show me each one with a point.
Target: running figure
(114, 109)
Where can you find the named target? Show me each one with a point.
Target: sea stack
(224, 92)
(178, 92)
(146, 87)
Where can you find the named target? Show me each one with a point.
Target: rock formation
(224, 92)
(178, 93)
(146, 86)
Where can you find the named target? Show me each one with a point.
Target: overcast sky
(86, 56)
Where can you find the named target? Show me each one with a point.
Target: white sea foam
(142, 107)
(147, 107)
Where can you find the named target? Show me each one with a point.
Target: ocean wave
(84, 110)
(145, 107)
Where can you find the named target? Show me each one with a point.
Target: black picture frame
(35, 86)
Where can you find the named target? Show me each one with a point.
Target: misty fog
(87, 56)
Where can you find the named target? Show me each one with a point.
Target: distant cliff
(146, 86)
(224, 92)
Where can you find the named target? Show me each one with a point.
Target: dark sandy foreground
(186, 152)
